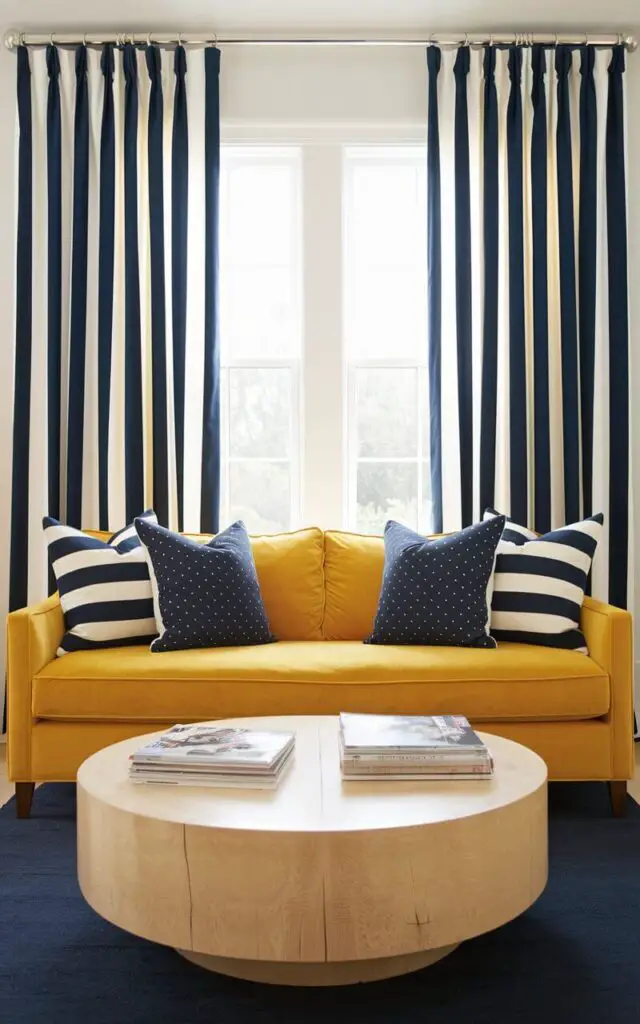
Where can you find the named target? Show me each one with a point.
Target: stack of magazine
(209, 755)
(411, 747)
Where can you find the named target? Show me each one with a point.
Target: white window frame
(322, 473)
(370, 153)
(266, 153)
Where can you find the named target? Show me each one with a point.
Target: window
(261, 336)
(323, 336)
(385, 338)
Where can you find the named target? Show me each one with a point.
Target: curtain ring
(179, 38)
(555, 42)
(51, 42)
(148, 39)
(466, 39)
(84, 38)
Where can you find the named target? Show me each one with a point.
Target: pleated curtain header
(527, 291)
(117, 354)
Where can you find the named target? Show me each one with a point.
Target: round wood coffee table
(320, 882)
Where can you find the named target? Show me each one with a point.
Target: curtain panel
(527, 292)
(116, 357)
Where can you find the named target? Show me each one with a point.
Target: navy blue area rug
(573, 957)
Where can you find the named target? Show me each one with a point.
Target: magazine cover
(406, 732)
(217, 744)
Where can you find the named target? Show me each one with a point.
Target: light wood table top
(320, 881)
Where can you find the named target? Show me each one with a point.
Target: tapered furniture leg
(24, 796)
(618, 794)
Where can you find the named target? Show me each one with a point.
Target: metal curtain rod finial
(14, 39)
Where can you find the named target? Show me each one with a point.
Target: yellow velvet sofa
(320, 591)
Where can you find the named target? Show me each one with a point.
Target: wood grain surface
(319, 872)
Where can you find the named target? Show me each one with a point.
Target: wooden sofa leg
(618, 794)
(24, 796)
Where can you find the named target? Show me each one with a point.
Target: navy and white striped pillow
(512, 531)
(104, 587)
(540, 582)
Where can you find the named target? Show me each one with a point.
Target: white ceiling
(326, 16)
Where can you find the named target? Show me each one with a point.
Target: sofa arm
(33, 636)
(609, 635)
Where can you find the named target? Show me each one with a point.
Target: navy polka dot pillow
(437, 591)
(205, 595)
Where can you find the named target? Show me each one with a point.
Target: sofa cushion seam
(299, 681)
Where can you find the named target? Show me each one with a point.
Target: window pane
(259, 254)
(260, 323)
(260, 410)
(224, 445)
(423, 399)
(259, 316)
(386, 198)
(386, 490)
(376, 179)
(387, 412)
(257, 218)
(387, 313)
(385, 268)
(260, 495)
(426, 514)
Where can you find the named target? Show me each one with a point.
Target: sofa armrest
(33, 636)
(609, 635)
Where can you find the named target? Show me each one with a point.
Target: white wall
(344, 85)
(298, 85)
(7, 289)
(633, 199)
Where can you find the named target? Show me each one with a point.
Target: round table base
(349, 972)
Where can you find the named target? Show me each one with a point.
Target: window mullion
(322, 364)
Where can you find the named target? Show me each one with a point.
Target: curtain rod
(14, 39)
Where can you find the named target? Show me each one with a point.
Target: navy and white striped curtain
(528, 305)
(116, 358)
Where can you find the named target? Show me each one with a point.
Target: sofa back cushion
(290, 572)
(353, 565)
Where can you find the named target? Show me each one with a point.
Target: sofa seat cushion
(514, 682)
